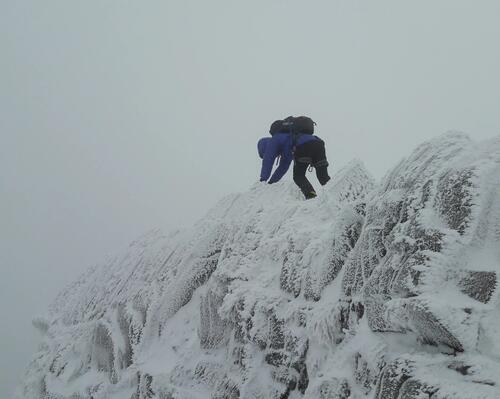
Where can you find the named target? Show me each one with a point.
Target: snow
(384, 290)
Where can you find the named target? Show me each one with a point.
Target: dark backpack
(303, 125)
(277, 127)
(296, 125)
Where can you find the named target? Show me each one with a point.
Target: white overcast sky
(120, 116)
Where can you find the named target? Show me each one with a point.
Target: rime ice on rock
(386, 291)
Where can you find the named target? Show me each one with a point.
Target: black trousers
(310, 153)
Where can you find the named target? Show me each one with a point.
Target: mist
(118, 117)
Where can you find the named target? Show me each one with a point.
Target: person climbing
(292, 138)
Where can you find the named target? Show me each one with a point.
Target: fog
(121, 116)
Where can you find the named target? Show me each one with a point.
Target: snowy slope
(369, 291)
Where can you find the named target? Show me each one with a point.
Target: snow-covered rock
(369, 291)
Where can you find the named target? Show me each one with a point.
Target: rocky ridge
(385, 291)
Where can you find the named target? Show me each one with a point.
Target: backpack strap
(288, 125)
(307, 160)
(321, 163)
(295, 138)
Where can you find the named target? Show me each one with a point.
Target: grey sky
(121, 116)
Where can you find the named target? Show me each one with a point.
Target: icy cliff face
(385, 292)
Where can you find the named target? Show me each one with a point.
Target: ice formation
(381, 291)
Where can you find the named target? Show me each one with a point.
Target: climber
(292, 138)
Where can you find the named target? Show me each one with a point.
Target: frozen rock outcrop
(369, 291)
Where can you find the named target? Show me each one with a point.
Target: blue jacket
(280, 145)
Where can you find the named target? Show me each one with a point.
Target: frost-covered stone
(334, 389)
(392, 378)
(364, 375)
(226, 389)
(437, 376)
(479, 285)
(430, 329)
(214, 330)
(414, 389)
(418, 224)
